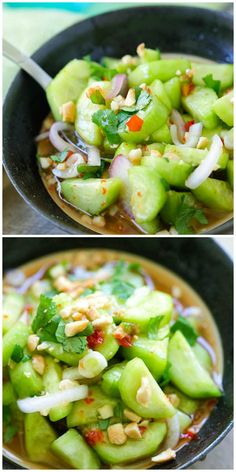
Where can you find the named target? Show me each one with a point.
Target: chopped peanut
(38, 364)
(164, 456)
(42, 346)
(32, 342)
(67, 111)
(61, 166)
(45, 162)
(75, 327)
(155, 153)
(130, 98)
(144, 392)
(102, 322)
(99, 221)
(66, 312)
(144, 423)
(202, 142)
(176, 292)
(140, 49)
(116, 434)
(189, 73)
(132, 430)
(131, 415)
(105, 412)
(128, 60)
(66, 384)
(77, 316)
(135, 155)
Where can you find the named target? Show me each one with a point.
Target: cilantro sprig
(212, 83)
(186, 214)
(183, 325)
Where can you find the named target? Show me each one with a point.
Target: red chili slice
(189, 435)
(188, 124)
(89, 400)
(125, 341)
(94, 436)
(94, 339)
(135, 123)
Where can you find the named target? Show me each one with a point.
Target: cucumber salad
(105, 364)
(141, 144)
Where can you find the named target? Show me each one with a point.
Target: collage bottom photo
(117, 349)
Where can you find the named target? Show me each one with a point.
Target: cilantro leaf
(183, 325)
(9, 433)
(60, 157)
(98, 71)
(185, 216)
(76, 344)
(165, 379)
(48, 333)
(119, 269)
(26, 357)
(118, 411)
(46, 310)
(134, 266)
(17, 353)
(97, 98)
(108, 122)
(212, 83)
(60, 332)
(153, 326)
(120, 288)
(103, 424)
(143, 99)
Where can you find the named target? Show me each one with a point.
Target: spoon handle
(27, 64)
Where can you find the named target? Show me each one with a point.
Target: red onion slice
(177, 120)
(202, 341)
(173, 433)
(119, 86)
(31, 280)
(202, 172)
(119, 168)
(59, 143)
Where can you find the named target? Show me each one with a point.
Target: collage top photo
(121, 123)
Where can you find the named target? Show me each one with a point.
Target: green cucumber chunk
(187, 405)
(222, 72)
(124, 149)
(215, 194)
(200, 104)
(39, 436)
(92, 195)
(203, 357)
(150, 55)
(110, 380)
(51, 378)
(85, 109)
(224, 109)
(13, 304)
(132, 450)
(147, 148)
(162, 135)
(110, 346)
(151, 305)
(18, 334)
(73, 450)
(195, 156)
(151, 227)
(71, 358)
(173, 90)
(164, 70)
(158, 89)
(174, 199)
(148, 194)
(175, 172)
(87, 412)
(26, 382)
(152, 352)
(153, 116)
(186, 372)
(158, 405)
(67, 86)
(230, 173)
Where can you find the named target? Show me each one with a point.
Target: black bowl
(205, 267)
(196, 31)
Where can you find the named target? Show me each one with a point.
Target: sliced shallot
(173, 433)
(119, 86)
(194, 134)
(48, 401)
(177, 120)
(57, 141)
(202, 172)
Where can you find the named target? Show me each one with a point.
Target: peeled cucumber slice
(111, 378)
(13, 304)
(158, 89)
(148, 193)
(73, 449)
(26, 382)
(215, 194)
(68, 85)
(157, 406)
(173, 90)
(194, 156)
(222, 72)
(174, 199)
(39, 436)
(162, 135)
(163, 70)
(224, 109)
(18, 334)
(175, 172)
(132, 450)
(200, 104)
(92, 195)
(186, 372)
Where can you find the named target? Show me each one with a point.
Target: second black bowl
(186, 30)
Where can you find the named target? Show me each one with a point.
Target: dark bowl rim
(69, 225)
(202, 454)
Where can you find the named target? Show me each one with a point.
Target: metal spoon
(26, 63)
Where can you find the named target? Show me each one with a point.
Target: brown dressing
(164, 280)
